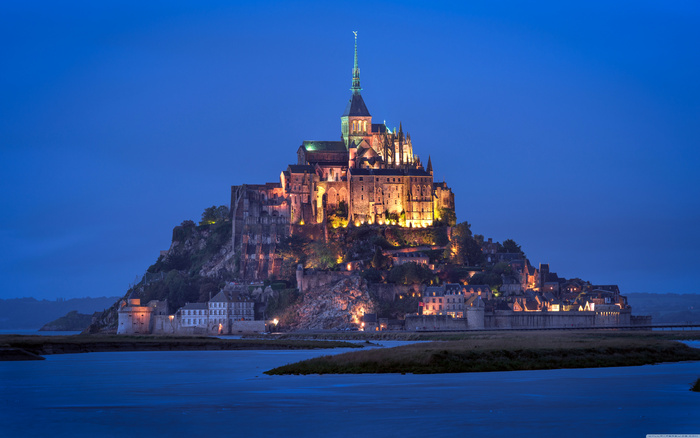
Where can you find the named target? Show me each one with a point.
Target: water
(197, 393)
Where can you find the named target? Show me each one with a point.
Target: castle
(369, 176)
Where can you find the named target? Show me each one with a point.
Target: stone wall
(238, 327)
(315, 279)
(506, 319)
(389, 292)
(163, 326)
(473, 321)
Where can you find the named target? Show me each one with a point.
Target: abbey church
(371, 175)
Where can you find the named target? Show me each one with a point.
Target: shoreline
(433, 353)
(498, 351)
(34, 347)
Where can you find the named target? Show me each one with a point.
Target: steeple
(429, 169)
(355, 71)
(356, 121)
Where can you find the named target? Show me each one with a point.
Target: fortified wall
(476, 319)
(311, 279)
(163, 325)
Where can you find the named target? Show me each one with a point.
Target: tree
(214, 214)
(489, 277)
(292, 249)
(463, 249)
(445, 216)
(503, 268)
(322, 255)
(410, 273)
(379, 260)
(509, 246)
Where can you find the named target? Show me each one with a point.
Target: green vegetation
(510, 246)
(214, 214)
(445, 217)
(339, 217)
(282, 300)
(463, 249)
(498, 351)
(410, 273)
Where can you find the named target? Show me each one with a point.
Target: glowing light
(275, 321)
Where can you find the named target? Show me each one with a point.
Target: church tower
(356, 122)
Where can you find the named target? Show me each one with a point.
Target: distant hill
(666, 308)
(30, 313)
(72, 321)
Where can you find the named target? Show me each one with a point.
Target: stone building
(454, 299)
(371, 175)
(220, 315)
(133, 318)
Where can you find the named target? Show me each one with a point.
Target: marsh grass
(42, 345)
(503, 352)
(696, 386)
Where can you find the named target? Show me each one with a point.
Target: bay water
(225, 393)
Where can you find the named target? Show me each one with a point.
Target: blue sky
(572, 128)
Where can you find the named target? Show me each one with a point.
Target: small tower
(429, 169)
(356, 122)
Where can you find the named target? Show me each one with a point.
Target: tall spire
(356, 71)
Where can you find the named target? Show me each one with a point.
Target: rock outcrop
(337, 305)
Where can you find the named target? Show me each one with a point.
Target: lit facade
(369, 176)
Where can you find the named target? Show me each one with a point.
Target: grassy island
(505, 351)
(18, 347)
(696, 386)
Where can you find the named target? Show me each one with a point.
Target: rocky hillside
(332, 306)
(198, 263)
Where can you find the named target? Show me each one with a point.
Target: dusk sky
(572, 128)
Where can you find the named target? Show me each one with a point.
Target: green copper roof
(355, 72)
(324, 146)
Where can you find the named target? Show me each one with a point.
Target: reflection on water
(196, 393)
